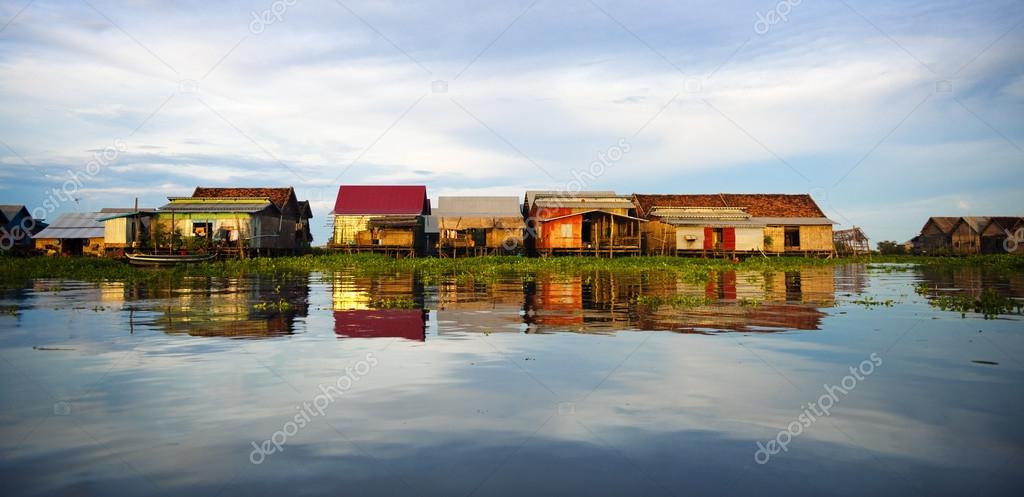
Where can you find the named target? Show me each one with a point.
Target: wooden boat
(168, 259)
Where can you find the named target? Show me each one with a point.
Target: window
(792, 234)
(202, 229)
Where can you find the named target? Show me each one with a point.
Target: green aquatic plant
(870, 302)
(990, 305)
(676, 301)
(401, 302)
(280, 305)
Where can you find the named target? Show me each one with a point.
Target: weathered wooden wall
(816, 238)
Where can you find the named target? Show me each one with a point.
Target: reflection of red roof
(409, 324)
(386, 200)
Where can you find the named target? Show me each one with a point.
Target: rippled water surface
(596, 384)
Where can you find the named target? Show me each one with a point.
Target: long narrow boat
(167, 259)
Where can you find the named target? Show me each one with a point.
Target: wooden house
(227, 224)
(966, 234)
(729, 224)
(1004, 234)
(17, 226)
(293, 232)
(596, 223)
(77, 233)
(478, 225)
(936, 236)
(125, 229)
(375, 218)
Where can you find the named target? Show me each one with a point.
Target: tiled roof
(279, 196)
(382, 200)
(756, 204)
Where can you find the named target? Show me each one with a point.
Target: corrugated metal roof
(714, 223)
(532, 195)
(70, 233)
(584, 202)
(478, 206)
(73, 225)
(382, 199)
(247, 208)
(591, 211)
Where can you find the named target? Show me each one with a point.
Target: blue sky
(887, 113)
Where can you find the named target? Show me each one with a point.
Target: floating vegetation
(871, 302)
(745, 302)
(402, 302)
(990, 305)
(8, 310)
(677, 301)
(280, 305)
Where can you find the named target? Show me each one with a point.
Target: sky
(885, 112)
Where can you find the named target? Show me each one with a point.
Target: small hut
(478, 225)
(851, 241)
(17, 228)
(1004, 234)
(385, 219)
(77, 233)
(596, 223)
(966, 234)
(936, 236)
(125, 228)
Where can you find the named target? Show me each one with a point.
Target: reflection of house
(478, 225)
(596, 302)
(249, 308)
(375, 218)
(77, 233)
(17, 228)
(467, 306)
(728, 223)
(586, 223)
(410, 324)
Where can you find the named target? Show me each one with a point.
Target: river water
(827, 381)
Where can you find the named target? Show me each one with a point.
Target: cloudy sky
(886, 114)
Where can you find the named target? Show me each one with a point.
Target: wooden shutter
(729, 238)
(709, 235)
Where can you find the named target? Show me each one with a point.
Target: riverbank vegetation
(17, 271)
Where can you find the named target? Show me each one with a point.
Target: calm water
(548, 385)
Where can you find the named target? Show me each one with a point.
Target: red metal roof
(380, 199)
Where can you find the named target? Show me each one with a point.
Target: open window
(202, 229)
(792, 237)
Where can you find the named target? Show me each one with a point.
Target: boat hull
(167, 260)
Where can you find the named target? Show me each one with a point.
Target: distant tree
(888, 247)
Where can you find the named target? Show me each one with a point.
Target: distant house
(851, 241)
(936, 236)
(17, 228)
(966, 234)
(378, 218)
(77, 233)
(1004, 234)
(583, 223)
(125, 228)
(726, 223)
(478, 225)
(293, 232)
